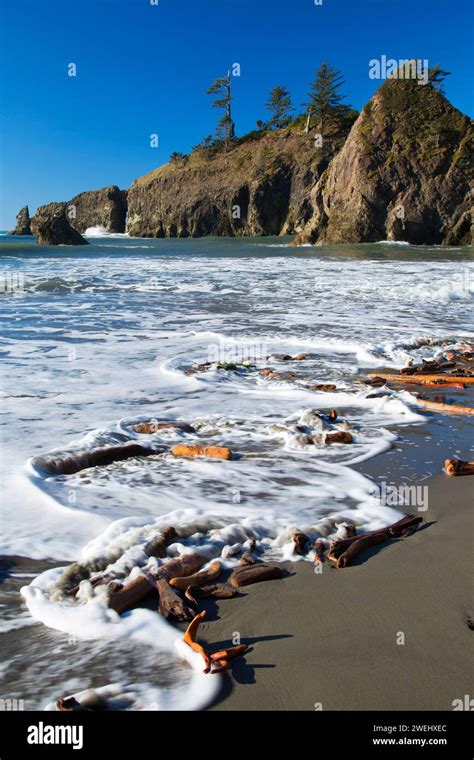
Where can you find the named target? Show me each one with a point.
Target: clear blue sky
(145, 69)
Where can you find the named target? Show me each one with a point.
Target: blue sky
(144, 69)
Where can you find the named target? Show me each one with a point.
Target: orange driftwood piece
(201, 578)
(423, 379)
(344, 551)
(143, 585)
(458, 467)
(215, 452)
(439, 406)
(213, 661)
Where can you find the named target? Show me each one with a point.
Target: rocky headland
(399, 170)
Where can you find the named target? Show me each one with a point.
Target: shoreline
(330, 639)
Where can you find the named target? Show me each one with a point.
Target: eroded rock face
(50, 225)
(23, 226)
(106, 208)
(258, 187)
(404, 173)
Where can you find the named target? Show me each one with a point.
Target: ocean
(98, 339)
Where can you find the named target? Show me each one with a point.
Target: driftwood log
(71, 463)
(248, 574)
(339, 436)
(196, 450)
(423, 379)
(138, 589)
(344, 551)
(201, 578)
(439, 406)
(171, 606)
(458, 467)
(301, 541)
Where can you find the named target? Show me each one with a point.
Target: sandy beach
(329, 641)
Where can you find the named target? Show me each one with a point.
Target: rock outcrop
(50, 225)
(106, 208)
(23, 225)
(404, 173)
(260, 186)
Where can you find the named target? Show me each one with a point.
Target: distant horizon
(63, 134)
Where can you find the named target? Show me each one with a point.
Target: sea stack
(23, 225)
(51, 226)
(403, 174)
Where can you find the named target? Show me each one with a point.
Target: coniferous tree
(279, 103)
(324, 98)
(436, 77)
(225, 131)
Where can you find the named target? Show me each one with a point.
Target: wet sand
(330, 640)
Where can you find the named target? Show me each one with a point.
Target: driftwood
(208, 575)
(340, 436)
(71, 463)
(332, 416)
(149, 428)
(215, 452)
(247, 558)
(248, 574)
(319, 548)
(156, 547)
(70, 704)
(143, 585)
(439, 406)
(322, 387)
(344, 551)
(216, 590)
(300, 541)
(458, 467)
(171, 605)
(423, 379)
(213, 661)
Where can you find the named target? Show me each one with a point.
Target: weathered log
(300, 357)
(344, 551)
(438, 406)
(70, 704)
(171, 606)
(247, 558)
(214, 452)
(458, 467)
(422, 380)
(208, 575)
(322, 387)
(248, 574)
(332, 416)
(300, 541)
(138, 589)
(149, 428)
(216, 590)
(340, 436)
(131, 594)
(156, 547)
(68, 464)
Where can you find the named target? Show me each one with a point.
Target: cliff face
(105, 208)
(23, 226)
(261, 186)
(404, 173)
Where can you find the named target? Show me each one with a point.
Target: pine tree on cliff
(324, 98)
(279, 103)
(225, 131)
